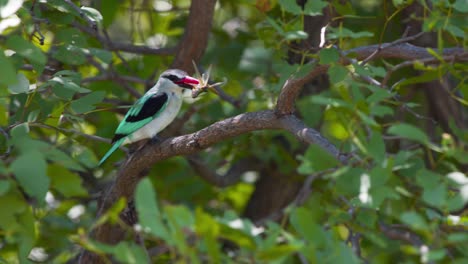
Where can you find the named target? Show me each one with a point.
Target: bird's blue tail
(115, 146)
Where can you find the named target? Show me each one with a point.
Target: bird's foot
(155, 139)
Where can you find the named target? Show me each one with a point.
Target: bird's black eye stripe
(171, 77)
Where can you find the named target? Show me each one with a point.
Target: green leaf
(458, 237)
(343, 253)
(337, 33)
(374, 71)
(65, 182)
(70, 36)
(426, 76)
(316, 159)
(4, 186)
(109, 11)
(409, 132)
(103, 55)
(379, 176)
(380, 110)
(290, 6)
(87, 102)
(7, 70)
(70, 54)
(337, 73)
(26, 234)
(378, 96)
(65, 87)
(366, 218)
(302, 221)
(93, 14)
(348, 180)
(275, 25)
(63, 7)
(181, 215)
(11, 204)
(414, 220)
(436, 196)
(21, 85)
(401, 3)
(278, 252)
(344, 7)
(328, 55)
(208, 229)
(239, 237)
(28, 51)
(314, 8)
(30, 171)
(112, 215)
(376, 147)
(293, 35)
(124, 252)
(435, 255)
(456, 31)
(461, 5)
(130, 253)
(61, 158)
(149, 214)
(367, 119)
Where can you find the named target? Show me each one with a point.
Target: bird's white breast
(161, 121)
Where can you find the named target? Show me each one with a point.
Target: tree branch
(293, 86)
(136, 165)
(91, 23)
(126, 47)
(193, 43)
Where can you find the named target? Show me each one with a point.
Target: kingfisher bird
(154, 111)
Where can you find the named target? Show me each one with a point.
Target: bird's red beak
(190, 80)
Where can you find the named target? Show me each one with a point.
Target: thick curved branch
(293, 86)
(134, 168)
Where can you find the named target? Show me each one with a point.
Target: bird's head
(178, 78)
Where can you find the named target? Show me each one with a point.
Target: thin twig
(7, 139)
(92, 24)
(37, 26)
(388, 45)
(110, 74)
(110, 45)
(126, 47)
(455, 57)
(71, 131)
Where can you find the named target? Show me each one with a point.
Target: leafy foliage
(402, 195)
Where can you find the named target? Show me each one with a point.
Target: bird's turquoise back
(126, 129)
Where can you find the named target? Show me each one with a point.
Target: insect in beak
(204, 86)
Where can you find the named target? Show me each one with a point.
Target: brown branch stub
(193, 43)
(291, 89)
